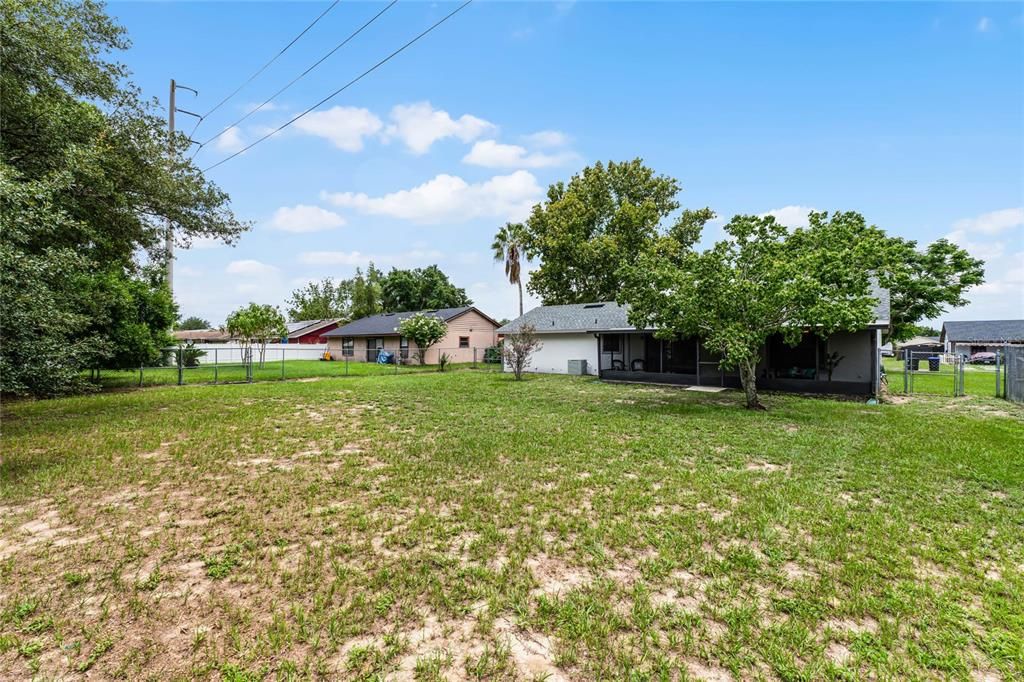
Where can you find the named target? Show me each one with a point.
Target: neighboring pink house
(470, 333)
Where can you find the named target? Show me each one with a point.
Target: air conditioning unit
(578, 367)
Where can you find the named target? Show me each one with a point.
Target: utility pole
(171, 109)
(170, 151)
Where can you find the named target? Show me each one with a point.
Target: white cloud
(791, 216)
(345, 127)
(413, 257)
(250, 268)
(984, 25)
(993, 222)
(419, 126)
(983, 250)
(547, 138)
(230, 140)
(303, 218)
(492, 154)
(449, 198)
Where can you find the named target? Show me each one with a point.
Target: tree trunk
(748, 377)
(519, 282)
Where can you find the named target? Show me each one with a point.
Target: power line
(264, 67)
(301, 75)
(344, 87)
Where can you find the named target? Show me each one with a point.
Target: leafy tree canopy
(420, 289)
(193, 322)
(87, 184)
(604, 218)
(760, 281)
(924, 283)
(258, 325)
(323, 300)
(366, 292)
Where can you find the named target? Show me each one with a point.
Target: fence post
(282, 364)
(181, 370)
(997, 374)
(214, 365)
(140, 373)
(474, 357)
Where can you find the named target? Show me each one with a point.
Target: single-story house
(309, 331)
(980, 336)
(470, 333)
(919, 345)
(201, 336)
(600, 334)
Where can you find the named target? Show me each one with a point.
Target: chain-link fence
(220, 364)
(931, 373)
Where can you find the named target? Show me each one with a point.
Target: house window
(348, 346)
(403, 347)
(610, 343)
(463, 342)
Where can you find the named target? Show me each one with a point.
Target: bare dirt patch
(707, 671)
(555, 577)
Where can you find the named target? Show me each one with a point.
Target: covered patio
(641, 357)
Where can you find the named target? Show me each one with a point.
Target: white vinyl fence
(224, 352)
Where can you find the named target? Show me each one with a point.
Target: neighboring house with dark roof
(470, 333)
(310, 331)
(600, 334)
(980, 336)
(201, 336)
(919, 345)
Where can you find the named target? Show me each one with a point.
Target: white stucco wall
(558, 349)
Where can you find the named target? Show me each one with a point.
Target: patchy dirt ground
(467, 527)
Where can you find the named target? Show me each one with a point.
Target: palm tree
(508, 247)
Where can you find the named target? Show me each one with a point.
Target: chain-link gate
(935, 373)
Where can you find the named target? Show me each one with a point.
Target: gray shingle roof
(882, 307)
(981, 331)
(610, 316)
(386, 324)
(577, 317)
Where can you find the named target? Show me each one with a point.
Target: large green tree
(924, 283)
(761, 280)
(87, 185)
(420, 289)
(586, 230)
(323, 300)
(366, 292)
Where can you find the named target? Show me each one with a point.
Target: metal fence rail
(247, 364)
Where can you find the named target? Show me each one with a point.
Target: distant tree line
(373, 292)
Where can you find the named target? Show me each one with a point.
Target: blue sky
(911, 113)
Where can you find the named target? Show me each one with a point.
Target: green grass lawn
(463, 525)
(979, 380)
